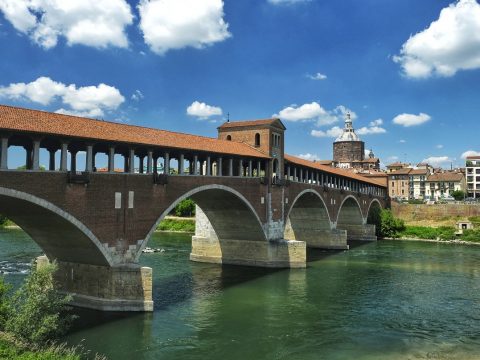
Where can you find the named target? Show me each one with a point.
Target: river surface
(384, 300)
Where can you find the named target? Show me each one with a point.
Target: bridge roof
(331, 170)
(41, 122)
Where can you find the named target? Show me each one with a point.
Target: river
(384, 300)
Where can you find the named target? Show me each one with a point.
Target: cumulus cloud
(308, 156)
(317, 76)
(371, 130)
(448, 45)
(377, 122)
(97, 23)
(470, 153)
(90, 101)
(439, 146)
(402, 141)
(334, 132)
(314, 112)
(408, 120)
(202, 110)
(175, 24)
(437, 161)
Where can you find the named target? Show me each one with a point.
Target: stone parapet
(273, 254)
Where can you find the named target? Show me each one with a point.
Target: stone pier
(364, 232)
(118, 288)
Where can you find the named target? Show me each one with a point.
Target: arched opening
(257, 139)
(374, 215)
(61, 236)
(308, 220)
(223, 214)
(350, 219)
(275, 168)
(229, 138)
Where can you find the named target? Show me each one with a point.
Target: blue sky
(408, 70)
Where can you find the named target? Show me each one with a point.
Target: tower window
(257, 139)
(229, 138)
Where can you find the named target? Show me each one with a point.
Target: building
(397, 166)
(349, 150)
(472, 172)
(417, 182)
(442, 184)
(399, 183)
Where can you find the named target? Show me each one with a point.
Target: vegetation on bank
(34, 317)
(177, 225)
(4, 221)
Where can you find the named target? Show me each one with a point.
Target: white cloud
(137, 95)
(83, 101)
(202, 110)
(308, 156)
(408, 120)
(393, 158)
(448, 45)
(402, 141)
(371, 130)
(314, 112)
(175, 24)
(377, 122)
(333, 132)
(97, 23)
(470, 153)
(439, 146)
(437, 160)
(317, 76)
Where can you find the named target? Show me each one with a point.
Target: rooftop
(446, 176)
(244, 123)
(36, 121)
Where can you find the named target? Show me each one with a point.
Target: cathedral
(349, 151)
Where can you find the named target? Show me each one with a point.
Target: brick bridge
(256, 205)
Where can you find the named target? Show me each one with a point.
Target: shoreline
(452, 242)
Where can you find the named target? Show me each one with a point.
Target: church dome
(348, 132)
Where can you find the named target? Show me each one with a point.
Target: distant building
(472, 172)
(417, 182)
(443, 184)
(399, 183)
(397, 166)
(349, 150)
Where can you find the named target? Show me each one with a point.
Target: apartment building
(472, 173)
(443, 184)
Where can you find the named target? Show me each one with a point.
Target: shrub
(389, 225)
(3, 220)
(458, 195)
(471, 235)
(4, 288)
(183, 225)
(185, 208)
(374, 218)
(38, 313)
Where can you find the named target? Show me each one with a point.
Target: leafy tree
(458, 195)
(185, 208)
(4, 288)
(389, 225)
(38, 313)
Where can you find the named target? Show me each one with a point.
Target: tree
(37, 312)
(185, 208)
(374, 218)
(458, 195)
(389, 225)
(4, 288)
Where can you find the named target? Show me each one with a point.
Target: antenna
(228, 117)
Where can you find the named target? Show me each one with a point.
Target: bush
(458, 195)
(183, 225)
(37, 312)
(374, 218)
(475, 220)
(3, 220)
(471, 235)
(429, 233)
(389, 225)
(416, 201)
(185, 208)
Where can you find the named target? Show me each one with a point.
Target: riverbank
(177, 224)
(454, 242)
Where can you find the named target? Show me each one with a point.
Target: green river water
(384, 300)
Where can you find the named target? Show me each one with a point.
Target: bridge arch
(374, 204)
(349, 213)
(230, 214)
(59, 234)
(307, 218)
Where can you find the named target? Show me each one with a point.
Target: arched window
(229, 138)
(257, 139)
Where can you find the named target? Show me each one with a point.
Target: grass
(442, 233)
(177, 225)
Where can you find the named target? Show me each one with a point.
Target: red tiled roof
(419, 171)
(446, 176)
(404, 171)
(331, 170)
(35, 121)
(233, 124)
(476, 157)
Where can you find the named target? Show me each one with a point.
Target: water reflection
(386, 300)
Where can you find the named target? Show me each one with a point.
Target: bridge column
(250, 164)
(219, 166)
(73, 160)
(149, 161)
(51, 162)
(36, 155)
(4, 153)
(111, 159)
(63, 156)
(131, 161)
(209, 167)
(140, 167)
(240, 167)
(195, 165)
(230, 167)
(166, 163)
(259, 168)
(181, 164)
(89, 158)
